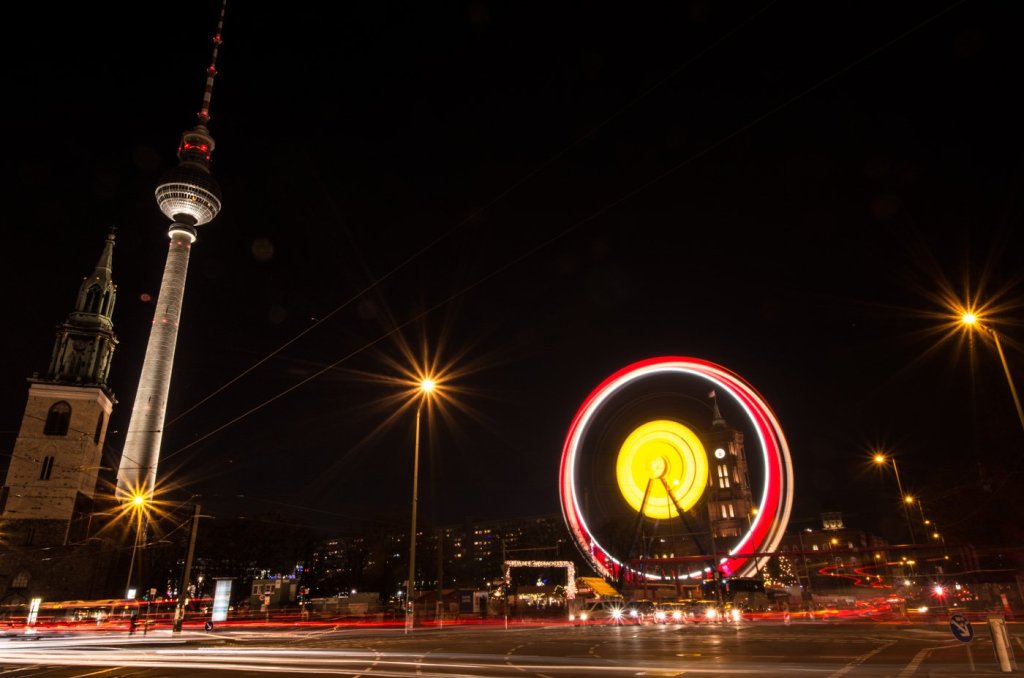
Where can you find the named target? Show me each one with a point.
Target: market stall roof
(598, 586)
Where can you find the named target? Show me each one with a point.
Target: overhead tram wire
(475, 213)
(585, 220)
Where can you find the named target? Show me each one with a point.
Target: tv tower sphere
(188, 194)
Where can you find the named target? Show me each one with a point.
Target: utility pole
(807, 571)
(439, 608)
(179, 610)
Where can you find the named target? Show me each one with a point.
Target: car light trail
(323, 662)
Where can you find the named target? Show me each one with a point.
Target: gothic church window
(47, 468)
(58, 419)
(99, 430)
(93, 299)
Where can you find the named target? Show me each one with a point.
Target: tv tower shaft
(190, 197)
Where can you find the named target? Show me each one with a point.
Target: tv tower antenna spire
(211, 70)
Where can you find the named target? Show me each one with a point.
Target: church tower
(189, 196)
(51, 481)
(730, 503)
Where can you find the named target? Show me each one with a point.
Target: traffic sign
(961, 627)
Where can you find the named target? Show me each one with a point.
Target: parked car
(641, 611)
(669, 613)
(604, 611)
(703, 611)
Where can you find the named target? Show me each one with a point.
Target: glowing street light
(882, 460)
(970, 320)
(928, 524)
(426, 388)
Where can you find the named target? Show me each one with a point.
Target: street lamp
(927, 525)
(136, 506)
(807, 571)
(426, 387)
(970, 320)
(832, 543)
(881, 460)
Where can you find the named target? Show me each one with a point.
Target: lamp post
(426, 387)
(971, 320)
(137, 506)
(927, 525)
(832, 543)
(807, 572)
(904, 499)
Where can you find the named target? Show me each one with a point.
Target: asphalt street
(770, 649)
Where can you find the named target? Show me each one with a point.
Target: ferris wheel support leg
(686, 523)
(639, 519)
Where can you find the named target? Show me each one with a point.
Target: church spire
(96, 295)
(717, 420)
(85, 340)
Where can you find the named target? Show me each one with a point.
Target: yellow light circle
(670, 458)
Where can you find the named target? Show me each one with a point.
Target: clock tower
(730, 503)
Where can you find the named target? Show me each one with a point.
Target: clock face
(719, 453)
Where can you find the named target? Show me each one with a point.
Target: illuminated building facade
(471, 554)
(190, 197)
(51, 482)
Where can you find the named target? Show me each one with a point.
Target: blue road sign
(961, 627)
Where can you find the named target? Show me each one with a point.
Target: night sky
(544, 193)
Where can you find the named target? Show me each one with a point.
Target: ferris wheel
(655, 485)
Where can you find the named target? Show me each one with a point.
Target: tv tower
(190, 197)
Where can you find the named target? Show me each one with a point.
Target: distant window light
(58, 419)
